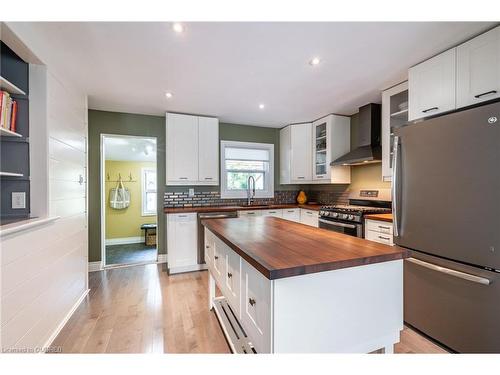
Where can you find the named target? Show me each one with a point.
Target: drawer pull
(300, 177)
(272, 212)
(229, 274)
(430, 109)
(384, 238)
(216, 257)
(207, 247)
(251, 301)
(183, 178)
(291, 211)
(208, 178)
(382, 227)
(250, 213)
(485, 93)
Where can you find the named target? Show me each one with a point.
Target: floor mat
(130, 253)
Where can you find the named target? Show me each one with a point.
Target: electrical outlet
(191, 192)
(18, 200)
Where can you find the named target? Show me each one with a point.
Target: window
(239, 161)
(148, 192)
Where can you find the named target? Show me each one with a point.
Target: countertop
(279, 248)
(381, 217)
(176, 210)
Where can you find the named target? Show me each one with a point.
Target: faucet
(250, 192)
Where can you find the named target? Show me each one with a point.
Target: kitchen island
(288, 287)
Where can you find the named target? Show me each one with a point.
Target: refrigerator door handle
(395, 186)
(449, 271)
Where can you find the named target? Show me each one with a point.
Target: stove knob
(335, 214)
(351, 217)
(326, 213)
(344, 216)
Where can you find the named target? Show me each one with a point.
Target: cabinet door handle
(300, 177)
(251, 301)
(216, 257)
(485, 93)
(291, 211)
(207, 247)
(229, 274)
(429, 109)
(208, 178)
(80, 180)
(272, 212)
(319, 176)
(183, 178)
(250, 213)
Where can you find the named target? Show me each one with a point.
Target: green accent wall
(102, 122)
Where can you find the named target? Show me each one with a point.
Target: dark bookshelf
(15, 150)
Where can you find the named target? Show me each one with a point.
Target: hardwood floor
(141, 309)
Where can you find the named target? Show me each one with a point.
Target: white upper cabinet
(306, 151)
(208, 147)
(331, 138)
(432, 86)
(295, 152)
(192, 150)
(478, 69)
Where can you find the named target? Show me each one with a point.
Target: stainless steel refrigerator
(446, 206)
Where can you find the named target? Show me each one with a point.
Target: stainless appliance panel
(201, 229)
(448, 186)
(351, 229)
(459, 312)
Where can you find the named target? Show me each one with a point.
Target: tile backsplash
(334, 194)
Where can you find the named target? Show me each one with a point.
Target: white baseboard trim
(124, 240)
(95, 266)
(194, 267)
(61, 325)
(162, 258)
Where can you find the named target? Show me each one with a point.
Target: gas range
(349, 219)
(350, 212)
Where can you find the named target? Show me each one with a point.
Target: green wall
(101, 122)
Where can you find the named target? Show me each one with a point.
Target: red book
(13, 116)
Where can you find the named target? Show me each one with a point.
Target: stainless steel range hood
(367, 147)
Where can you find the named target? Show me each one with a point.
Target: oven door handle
(337, 224)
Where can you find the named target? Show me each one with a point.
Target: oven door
(350, 229)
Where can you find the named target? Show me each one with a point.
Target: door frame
(102, 192)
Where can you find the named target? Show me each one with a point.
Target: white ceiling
(129, 148)
(227, 69)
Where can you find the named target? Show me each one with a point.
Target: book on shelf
(8, 111)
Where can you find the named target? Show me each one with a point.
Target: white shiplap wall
(44, 269)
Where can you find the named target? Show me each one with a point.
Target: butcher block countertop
(381, 217)
(179, 210)
(280, 248)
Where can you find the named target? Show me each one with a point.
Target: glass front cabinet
(394, 115)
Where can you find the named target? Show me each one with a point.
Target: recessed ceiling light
(133, 149)
(261, 106)
(178, 27)
(315, 61)
(168, 95)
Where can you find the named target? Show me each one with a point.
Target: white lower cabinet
(182, 244)
(256, 307)
(274, 213)
(379, 231)
(292, 214)
(309, 217)
(249, 213)
(232, 279)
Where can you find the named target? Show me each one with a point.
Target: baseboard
(182, 269)
(162, 258)
(95, 266)
(61, 325)
(124, 240)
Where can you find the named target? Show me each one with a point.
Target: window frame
(268, 191)
(144, 192)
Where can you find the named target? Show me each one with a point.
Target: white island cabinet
(318, 306)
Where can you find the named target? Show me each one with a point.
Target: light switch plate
(191, 192)
(18, 200)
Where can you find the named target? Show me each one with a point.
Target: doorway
(129, 188)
